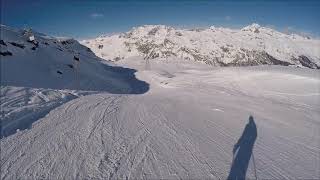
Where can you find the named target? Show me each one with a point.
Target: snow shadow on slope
(101, 77)
(127, 75)
(242, 151)
(111, 79)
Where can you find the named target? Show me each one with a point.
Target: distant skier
(242, 151)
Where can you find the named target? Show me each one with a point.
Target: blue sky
(89, 18)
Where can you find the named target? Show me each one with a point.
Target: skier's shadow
(242, 151)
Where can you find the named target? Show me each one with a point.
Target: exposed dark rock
(197, 29)
(167, 42)
(127, 44)
(65, 42)
(33, 48)
(76, 58)
(178, 33)
(36, 43)
(3, 43)
(145, 47)
(59, 72)
(153, 31)
(127, 35)
(274, 60)
(169, 53)
(29, 41)
(70, 66)
(116, 58)
(224, 49)
(306, 62)
(17, 45)
(100, 46)
(6, 53)
(222, 64)
(89, 50)
(254, 58)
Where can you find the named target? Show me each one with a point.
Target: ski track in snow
(185, 126)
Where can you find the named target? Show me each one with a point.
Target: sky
(82, 19)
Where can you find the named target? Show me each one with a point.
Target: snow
(170, 119)
(33, 82)
(31, 38)
(205, 45)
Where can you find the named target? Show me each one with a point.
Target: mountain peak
(215, 46)
(212, 27)
(253, 28)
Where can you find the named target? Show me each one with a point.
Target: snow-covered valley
(162, 118)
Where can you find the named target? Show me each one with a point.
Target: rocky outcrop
(253, 58)
(306, 62)
(6, 53)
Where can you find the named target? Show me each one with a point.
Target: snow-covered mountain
(32, 59)
(251, 45)
(172, 121)
(39, 73)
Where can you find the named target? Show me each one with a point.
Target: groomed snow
(38, 76)
(184, 126)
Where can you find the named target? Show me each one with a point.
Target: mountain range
(217, 46)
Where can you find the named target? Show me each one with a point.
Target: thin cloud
(304, 33)
(227, 18)
(96, 15)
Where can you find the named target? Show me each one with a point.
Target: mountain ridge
(44, 61)
(251, 45)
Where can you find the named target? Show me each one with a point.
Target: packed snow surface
(152, 119)
(39, 75)
(185, 126)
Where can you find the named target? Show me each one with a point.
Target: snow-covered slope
(251, 45)
(179, 121)
(184, 127)
(56, 64)
(39, 72)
